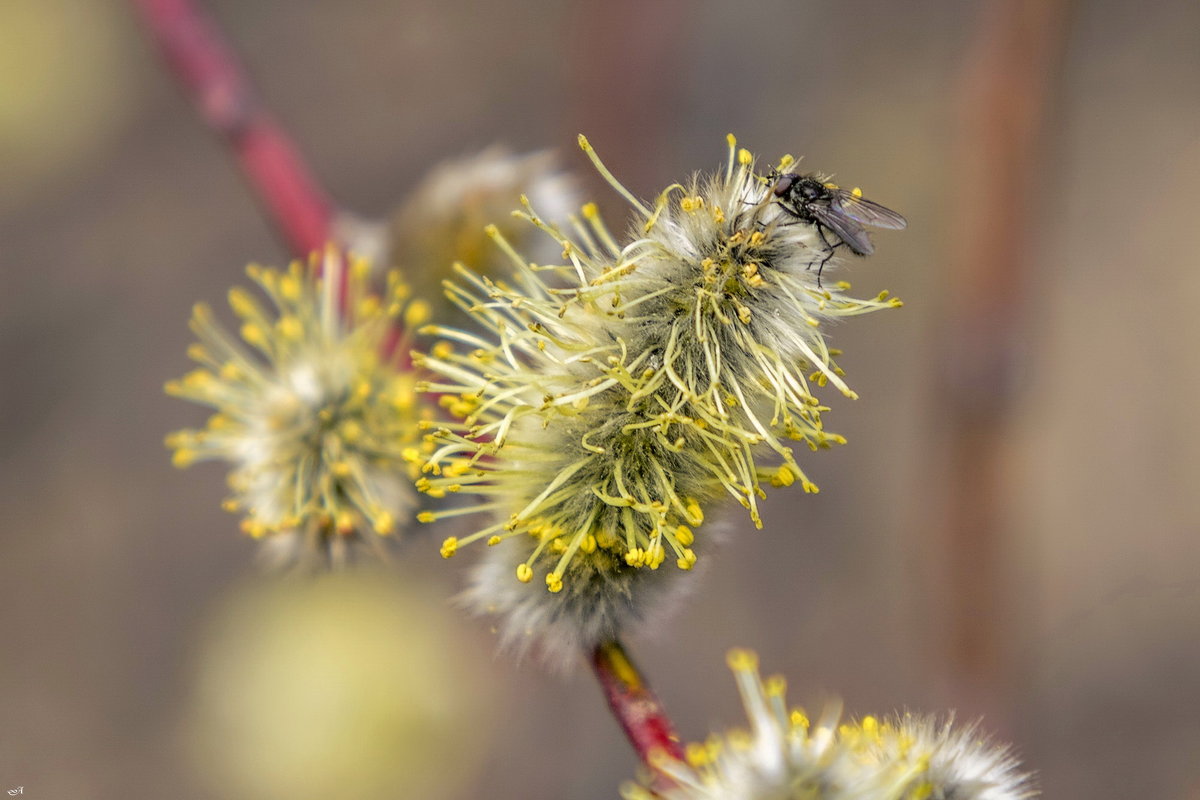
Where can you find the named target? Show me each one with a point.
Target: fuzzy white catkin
(619, 394)
(785, 756)
(317, 420)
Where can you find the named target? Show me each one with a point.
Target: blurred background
(1012, 530)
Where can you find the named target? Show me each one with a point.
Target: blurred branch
(204, 64)
(1010, 77)
(637, 709)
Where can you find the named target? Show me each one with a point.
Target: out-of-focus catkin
(786, 756)
(316, 417)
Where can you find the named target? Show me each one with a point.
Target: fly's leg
(829, 249)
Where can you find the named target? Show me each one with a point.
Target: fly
(844, 212)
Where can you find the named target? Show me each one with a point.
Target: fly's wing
(867, 212)
(846, 229)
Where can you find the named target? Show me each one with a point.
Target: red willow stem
(205, 65)
(637, 709)
(1006, 103)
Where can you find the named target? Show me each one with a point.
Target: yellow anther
(493, 541)
(554, 582)
(684, 535)
(426, 516)
(241, 302)
(344, 522)
(588, 545)
(857, 192)
(418, 313)
(687, 560)
(289, 287)
(442, 350)
(449, 547)
(404, 398)
(775, 686)
(198, 379)
(254, 528)
(359, 267)
(799, 719)
(176, 439)
(745, 158)
(740, 660)
(253, 334)
(341, 469)
(694, 512)
(202, 314)
(784, 476)
(457, 468)
(524, 573)
(183, 457)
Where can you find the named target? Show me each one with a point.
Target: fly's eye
(784, 185)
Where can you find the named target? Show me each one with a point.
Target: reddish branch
(637, 709)
(1004, 104)
(205, 65)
